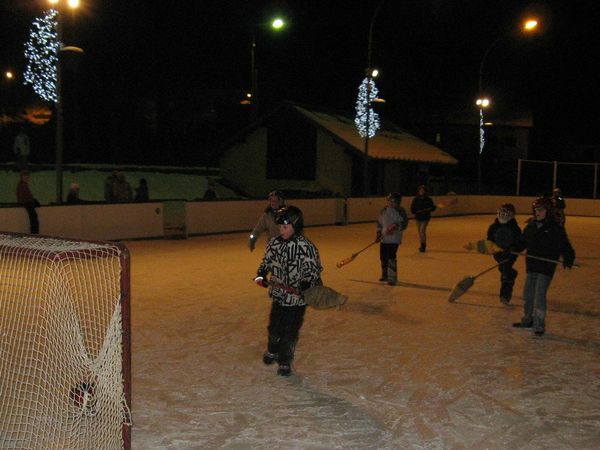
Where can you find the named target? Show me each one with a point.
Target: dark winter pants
(422, 230)
(508, 275)
(34, 226)
(387, 255)
(284, 328)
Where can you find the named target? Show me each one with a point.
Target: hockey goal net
(64, 344)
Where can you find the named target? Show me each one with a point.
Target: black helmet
(395, 197)
(290, 215)
(543, 202)
(275, 193)
(506, 212)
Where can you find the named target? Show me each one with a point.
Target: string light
(366, 117)
(41, 53)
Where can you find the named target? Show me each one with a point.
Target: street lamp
(528, 26)
(370, 96)
(482, 103)
(72, 4)
(277, 24)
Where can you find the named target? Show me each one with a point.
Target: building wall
(334, 165)
(245, 164)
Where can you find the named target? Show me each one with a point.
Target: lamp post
(276, 24)
(59, 106)
(370, 75)
(482, 101)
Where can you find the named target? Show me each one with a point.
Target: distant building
(507, 139)
(297, 148)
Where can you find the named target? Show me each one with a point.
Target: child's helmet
(506, 212)
(290, 215)
(395, 197)
(543, 202)
(275, 193)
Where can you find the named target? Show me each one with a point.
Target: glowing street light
(277, 24)
(9, 75)
(528, 26)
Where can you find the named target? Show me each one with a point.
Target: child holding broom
(543, 237)
(392, 221)
(505, 233)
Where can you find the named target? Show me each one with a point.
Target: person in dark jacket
(26, 199)
(141, 192)
(545, 238)
(422, 206)
(505, 233)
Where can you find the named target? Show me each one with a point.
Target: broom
(351, 258)
(465, 284)
(489, 247)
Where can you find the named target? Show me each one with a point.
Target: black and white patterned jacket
(294, 266)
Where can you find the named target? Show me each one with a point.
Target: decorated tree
(41, 53)
(367, 120)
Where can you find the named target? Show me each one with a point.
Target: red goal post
(65, 349)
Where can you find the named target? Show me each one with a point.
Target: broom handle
(491, 268)
(541, 258)
(354, 255)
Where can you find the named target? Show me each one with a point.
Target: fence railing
(574, 179)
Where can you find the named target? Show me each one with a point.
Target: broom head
(461, 287)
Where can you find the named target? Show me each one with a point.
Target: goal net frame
(65, 343)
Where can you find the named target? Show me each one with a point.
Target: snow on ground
(395, 368)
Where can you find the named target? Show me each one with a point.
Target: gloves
(251, 242)
(378, 237)
(304, 285)
(261, 281)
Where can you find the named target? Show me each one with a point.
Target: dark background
(161, 82)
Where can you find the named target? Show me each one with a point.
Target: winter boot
(284, 370)
(269, 358)
(423, 247)
(383, 272)
(392, 272)
(272, 352)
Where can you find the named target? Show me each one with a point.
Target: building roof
(387, 145)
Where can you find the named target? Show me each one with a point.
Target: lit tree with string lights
(367, 120)
(41, 53)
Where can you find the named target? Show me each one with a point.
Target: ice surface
(395, 368)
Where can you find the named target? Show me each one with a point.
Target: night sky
(189, 61)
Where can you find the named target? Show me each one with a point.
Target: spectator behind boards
(141, 192)
(73, 195)
(26, 199)
(211, 193)
(122, 189)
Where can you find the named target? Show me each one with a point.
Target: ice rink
(398, 367)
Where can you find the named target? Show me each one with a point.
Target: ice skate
(284, 370)
(269, 358)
